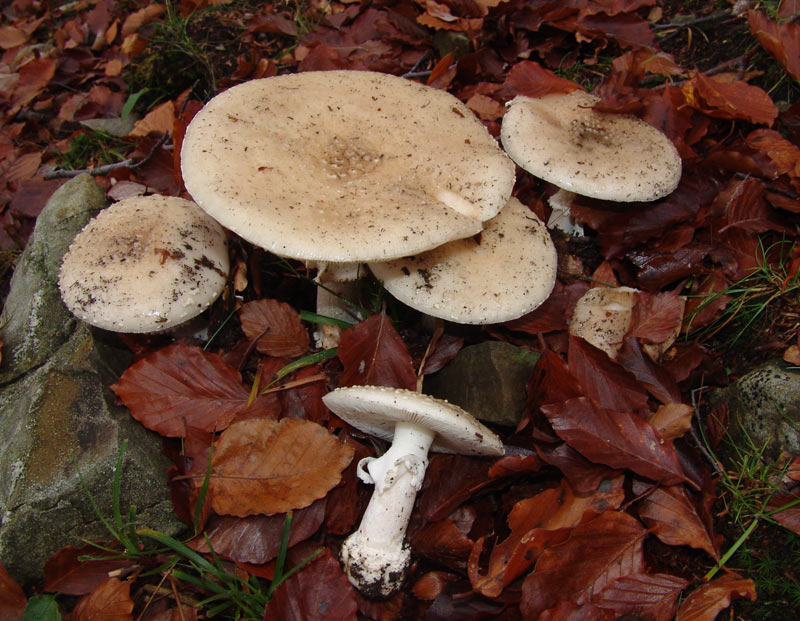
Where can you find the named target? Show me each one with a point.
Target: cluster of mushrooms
(344, 168)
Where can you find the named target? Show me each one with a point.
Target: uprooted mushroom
(376, 556)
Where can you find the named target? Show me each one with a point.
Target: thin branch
(129, 163)
(691, 21)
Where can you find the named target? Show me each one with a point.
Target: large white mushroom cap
(344, 165)
(145, 264)
(615, 157)
(509, 270)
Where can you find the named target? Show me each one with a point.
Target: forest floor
(667, 532)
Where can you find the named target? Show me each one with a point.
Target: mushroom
(375, 556)
(344, 166)
(603, 316)
(615, 157)
(145, 264)
(505, 272)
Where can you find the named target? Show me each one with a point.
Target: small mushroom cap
(602, 317)
(376, 409)
(615, 157)
(145, 264)
(344, 165)
(508, 272)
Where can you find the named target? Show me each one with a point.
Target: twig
(691, 21)
(129, 163)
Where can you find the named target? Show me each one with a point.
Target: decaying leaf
(646, 596)
(705, 602)
(277, 327)
(781, 39)
(12, 597)
(263, 466)
(729, 100)
(182, 386)
(66, 573)
(111, 599)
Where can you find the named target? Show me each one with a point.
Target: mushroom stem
(375, 556)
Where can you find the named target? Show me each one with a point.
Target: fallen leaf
(134, 21)
(160, 120)
(182, 386)
(111, 599)
(12, 597)
(66, 573)
(729, 100)
(33, 78)
(784, 154)
(784, 507)
(444, 543)
(263, 466)
(596, 554)
(277, 327)
(617, 439)
(319, 591)
(373, 354)
(673, 518)
(672, 420)
(705, 602)
(657, 317)
(781, 39)
(644, 596)
(655, 378)
(530, 79)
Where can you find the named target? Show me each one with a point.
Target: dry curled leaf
(705, 602)
(111, 599)
(263, 466)
(277, 327)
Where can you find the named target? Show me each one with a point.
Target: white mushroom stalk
(376, 557)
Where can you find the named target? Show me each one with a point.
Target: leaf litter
(601, 464)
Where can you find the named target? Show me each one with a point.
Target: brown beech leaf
(262, 466)
(529, 78)
(596, 554)
(182, 386)
(673, 518)
(444, 543)
(256, 539)
(582, 474)
(602, 379)
(784, 154)
(373, 354)
(554, 313)
(729, 100)
(319, 591)
(644, 596)
(277, 327)
(655, 378)
(789, 517)
(449, 481)
(536, 523)
(656, 316)
(705, 602)
(65, 573)
(12, 597)
(782, 40)
(745, 207)
(617, 439)
(111, 599)
(672, 420)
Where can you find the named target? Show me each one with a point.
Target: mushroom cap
(344, 165)
(509, 272)
(376, 409)
(145, 264)
(602, 317)
(615, 157)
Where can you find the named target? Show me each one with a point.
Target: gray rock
(487, 380)
(764, 409)
(58, 415)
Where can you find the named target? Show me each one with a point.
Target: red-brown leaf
(449, 481)
(729, 100)
(782, 40)
(656, 316)
(373, 354)
(790, 517)
(617, 439)
(110, 600)
(182, 386)
(644, 596)
(319, 591)
(444, 543)
(261, 466)
(655, 378)
(673, 518)
(602, 379)
(596, 554)
(704, 603)
(65, 573)
(783, 153)
(529, 78)
(277, 327)
(12, 597)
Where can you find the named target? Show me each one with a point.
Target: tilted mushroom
(375, 556)
(505, 272)
(615, 157)
(344, 166)
(145, 264)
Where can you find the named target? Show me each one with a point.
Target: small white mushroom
(376, 556)
(507, 271)
(145, 264)
(344, 165)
